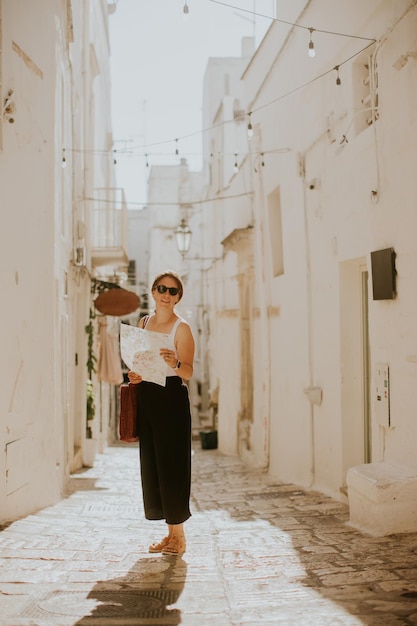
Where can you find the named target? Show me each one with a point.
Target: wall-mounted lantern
(183, 237)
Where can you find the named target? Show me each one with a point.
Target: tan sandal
(175, 546)
(158, 547)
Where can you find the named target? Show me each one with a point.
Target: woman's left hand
(168, 356)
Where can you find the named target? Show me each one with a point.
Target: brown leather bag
(128, 413)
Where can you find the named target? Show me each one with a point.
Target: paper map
(140, 351)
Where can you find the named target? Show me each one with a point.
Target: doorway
(366, 367)
(355, 364)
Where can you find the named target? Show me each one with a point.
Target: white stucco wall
(32, 466)
(57, 96)
(329, 232)
(307, 323)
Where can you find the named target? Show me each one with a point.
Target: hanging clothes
(109, 361)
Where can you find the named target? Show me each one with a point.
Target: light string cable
(259, 154)
(175, 202)
(243, 116)
(145, 147)
(335, 68)
(275, 19)
(132, 151)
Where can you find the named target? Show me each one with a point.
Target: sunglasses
(163, 288)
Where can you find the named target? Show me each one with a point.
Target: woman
(164, 421)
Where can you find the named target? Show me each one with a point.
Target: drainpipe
(313, 393)
(375, 193)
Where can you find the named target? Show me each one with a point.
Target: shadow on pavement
(78, 482)
(145, 593)
(309, 543)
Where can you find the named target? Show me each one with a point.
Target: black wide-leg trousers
(164, 429)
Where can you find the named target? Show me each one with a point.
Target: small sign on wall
(382, 394)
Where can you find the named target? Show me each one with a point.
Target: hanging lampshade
(117, 302)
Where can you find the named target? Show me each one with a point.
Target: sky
(158, 60)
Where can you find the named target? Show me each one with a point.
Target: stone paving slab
(258, 552)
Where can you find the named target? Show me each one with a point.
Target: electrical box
(382, 394)
(383, 274)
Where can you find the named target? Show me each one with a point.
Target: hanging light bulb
(146, 161)
(250, 127)
(235, 167)
(186, 11)
(114, 158)
(176, 147)
(262, 160)
(64, 161)
(311, 48)
(338, 79)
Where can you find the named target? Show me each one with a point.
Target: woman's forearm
(184, 370)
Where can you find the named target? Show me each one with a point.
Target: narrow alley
(258, 552)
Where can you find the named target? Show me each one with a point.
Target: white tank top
(171, 340)
(171, 343)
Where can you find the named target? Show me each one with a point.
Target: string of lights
(175, 202)
(207, 156)
(146, 154)
(143, 150)
(335, 68)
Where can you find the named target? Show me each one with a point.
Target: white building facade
(59, 228)
(316, 373)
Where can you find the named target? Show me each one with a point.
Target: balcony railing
(109, 223)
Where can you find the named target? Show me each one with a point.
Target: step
(383, 498)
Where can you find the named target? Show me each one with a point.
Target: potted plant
(90, 444)
(91, 408)
(208, 437)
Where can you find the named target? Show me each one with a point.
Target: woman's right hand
(134, 378)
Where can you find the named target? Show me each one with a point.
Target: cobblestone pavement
(258, 552)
